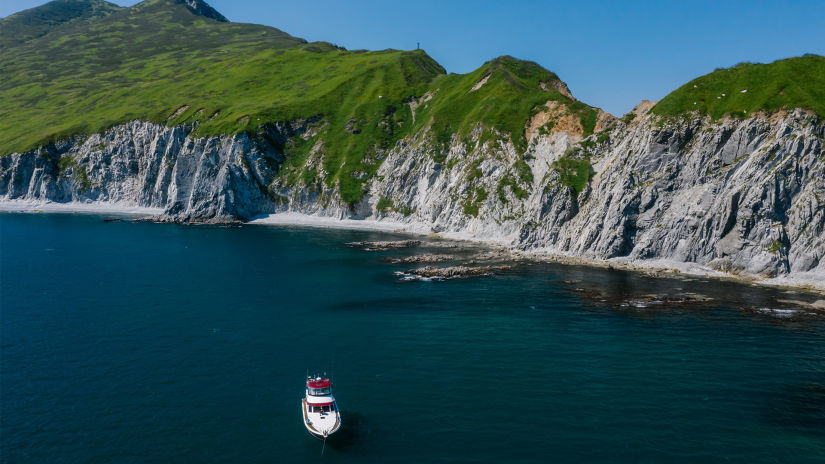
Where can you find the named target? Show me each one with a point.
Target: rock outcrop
(215, 179)
(743, 196)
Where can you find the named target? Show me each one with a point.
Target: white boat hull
(321, 425)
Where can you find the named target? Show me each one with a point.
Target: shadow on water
(381, 304)
(800, 407)
(354, 429)
(635, 289)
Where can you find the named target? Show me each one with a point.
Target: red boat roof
(318, 383)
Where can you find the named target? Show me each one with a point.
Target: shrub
(574, 172)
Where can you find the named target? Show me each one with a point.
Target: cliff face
(213, 179)
(742, 196)
(738, 195)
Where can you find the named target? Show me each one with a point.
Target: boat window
(319, 391)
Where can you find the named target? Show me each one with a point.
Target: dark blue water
(140, 342)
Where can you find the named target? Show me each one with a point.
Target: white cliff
(741, 196)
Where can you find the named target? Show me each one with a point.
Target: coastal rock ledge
(742, 196)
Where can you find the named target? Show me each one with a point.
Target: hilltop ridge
(797, 82)
(201, 8)
(36, 22)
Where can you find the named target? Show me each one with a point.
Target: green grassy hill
(168, 62)
(747, 87)
(511, 92)
(37, 22)
(142, 62)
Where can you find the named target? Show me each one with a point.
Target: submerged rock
(453, 272)
(386, 245)
(780, 313)
(428, 258)
(444, 244)
(648, 301)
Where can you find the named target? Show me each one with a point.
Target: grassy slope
(37, 22)
(148, 61)
(505, 102)
(364, 111)
(142, 62)
(789, 83)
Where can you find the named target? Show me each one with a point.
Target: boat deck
(314, 421)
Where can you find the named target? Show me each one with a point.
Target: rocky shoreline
(454, 272)
(740, 198)
(426, 258)
(437, 241)
(472, 261)
(479, 259)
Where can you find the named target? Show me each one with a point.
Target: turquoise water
(140, 342)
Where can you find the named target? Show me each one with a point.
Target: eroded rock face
(738, 195)
(215, 179)
(741, 196)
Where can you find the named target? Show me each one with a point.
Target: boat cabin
(319, 387)
(321, 408)
(319, 395)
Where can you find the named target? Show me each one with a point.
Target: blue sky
(611, 54)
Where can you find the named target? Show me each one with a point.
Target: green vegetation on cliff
(500, 95)
(747, 87)
(575, 173)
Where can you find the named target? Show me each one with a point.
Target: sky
(611, 54)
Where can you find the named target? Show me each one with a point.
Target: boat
(321, 416)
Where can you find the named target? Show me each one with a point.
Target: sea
(124, 341)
